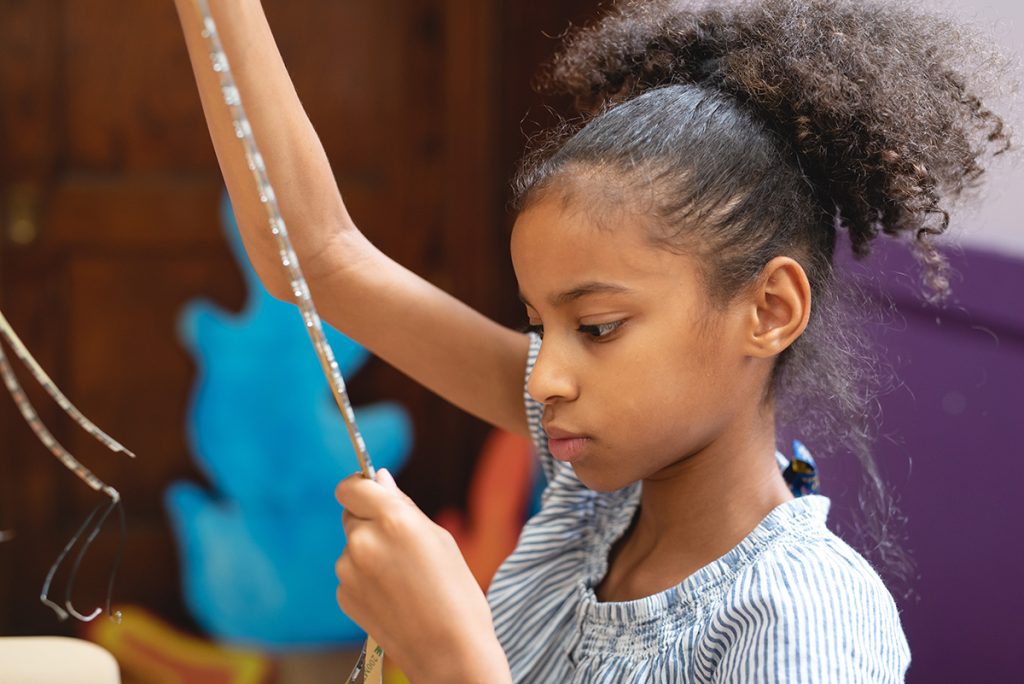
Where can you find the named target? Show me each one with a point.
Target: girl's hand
(403, 580)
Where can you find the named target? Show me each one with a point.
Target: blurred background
(119, 269)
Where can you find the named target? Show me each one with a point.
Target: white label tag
(373, 663)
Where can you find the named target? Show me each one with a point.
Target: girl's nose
(551, 380)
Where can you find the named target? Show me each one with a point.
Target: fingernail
(384, 477)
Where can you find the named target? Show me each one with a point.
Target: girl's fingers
(349, 522)
(370, 499)
(349, 601)
(362, 555)
(363, 498)
(386, 480)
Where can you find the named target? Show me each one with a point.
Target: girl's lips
(567, 449)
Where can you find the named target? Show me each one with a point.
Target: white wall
(994, 222)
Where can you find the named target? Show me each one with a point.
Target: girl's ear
(779, 307)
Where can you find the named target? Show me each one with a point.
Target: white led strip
(370, 662)
(243, 131)
(71, 463)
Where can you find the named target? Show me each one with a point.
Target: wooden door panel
(128, 365)
(125, 101)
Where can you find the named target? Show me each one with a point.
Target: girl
(674, 254)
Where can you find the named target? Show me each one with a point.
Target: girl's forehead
(556, 246)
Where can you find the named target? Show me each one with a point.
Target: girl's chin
(598, 481)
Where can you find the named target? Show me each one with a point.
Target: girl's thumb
(384, 478)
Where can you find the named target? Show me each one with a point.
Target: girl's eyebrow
(581, 290)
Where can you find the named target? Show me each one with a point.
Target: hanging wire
(93, 524)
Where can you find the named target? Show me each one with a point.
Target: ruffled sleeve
(820, 613)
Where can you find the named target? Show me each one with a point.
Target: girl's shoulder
(816, 565)
(811, 560)
(813, 608)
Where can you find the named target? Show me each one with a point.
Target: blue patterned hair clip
(801, 474)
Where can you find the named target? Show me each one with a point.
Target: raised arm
(418, 328)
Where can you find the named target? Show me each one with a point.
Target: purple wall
(952, 447)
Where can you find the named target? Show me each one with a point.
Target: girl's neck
(704, 501)
(696, 511)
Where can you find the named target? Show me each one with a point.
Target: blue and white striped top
(792, 602)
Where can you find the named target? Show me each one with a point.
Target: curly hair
(768, 127)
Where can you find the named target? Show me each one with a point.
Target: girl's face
(634, 360)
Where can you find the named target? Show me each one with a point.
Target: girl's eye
(600, 330)
(595, 332)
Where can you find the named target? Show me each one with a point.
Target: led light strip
(28, 412)
(243, 131)
(370, 662)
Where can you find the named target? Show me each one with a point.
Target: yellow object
(392, 675)
(150, 650)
